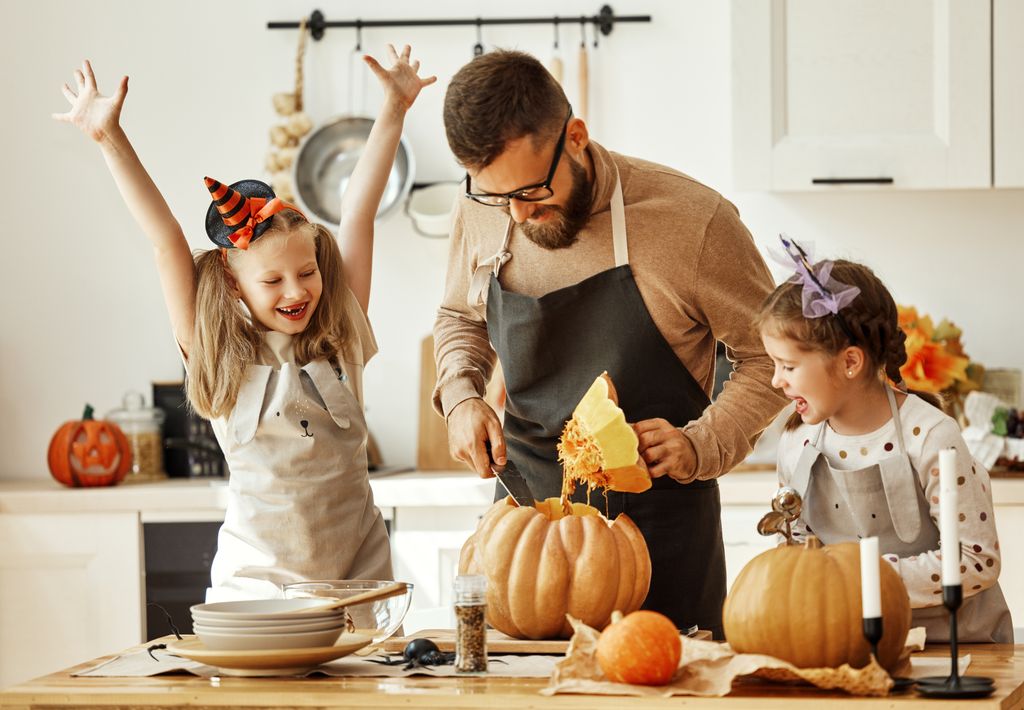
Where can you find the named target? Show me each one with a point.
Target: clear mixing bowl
(378, 619)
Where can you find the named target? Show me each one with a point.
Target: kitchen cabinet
(70, 588)
(870, 92)
(1008, 93)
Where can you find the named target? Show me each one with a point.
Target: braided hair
(871, 319)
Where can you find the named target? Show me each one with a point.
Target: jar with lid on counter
(142, 425)
(470, 626)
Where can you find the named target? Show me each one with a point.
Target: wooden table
(1005, 663)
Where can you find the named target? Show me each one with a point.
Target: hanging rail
(604, 21)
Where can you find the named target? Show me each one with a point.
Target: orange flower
(930, 366)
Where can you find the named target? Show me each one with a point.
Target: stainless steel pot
(326, 159)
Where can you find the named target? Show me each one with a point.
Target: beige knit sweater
(697, 270)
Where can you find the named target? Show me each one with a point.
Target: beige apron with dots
(300, 502)
(886, 500)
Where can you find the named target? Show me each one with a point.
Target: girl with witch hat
(272, 326)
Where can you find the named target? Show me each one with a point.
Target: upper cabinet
(863, 92)
(1008, 89)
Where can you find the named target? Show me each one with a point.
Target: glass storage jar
(142, 425)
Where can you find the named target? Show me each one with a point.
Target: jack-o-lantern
(89, 452)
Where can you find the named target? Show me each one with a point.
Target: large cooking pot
(326, 159)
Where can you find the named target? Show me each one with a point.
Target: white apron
(886, 500)
(300, 505)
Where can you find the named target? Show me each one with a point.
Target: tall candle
(870, 586)
(949, 515)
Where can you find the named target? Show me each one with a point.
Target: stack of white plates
(267, 624)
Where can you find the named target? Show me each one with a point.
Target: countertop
(1004, 663)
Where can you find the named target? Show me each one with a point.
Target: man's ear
(577, 137)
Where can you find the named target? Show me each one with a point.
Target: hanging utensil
(583, 73)
(478, 48)
(556, 67)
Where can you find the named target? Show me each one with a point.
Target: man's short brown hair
(499, 97)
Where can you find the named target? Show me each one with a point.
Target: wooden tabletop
(1005, 663)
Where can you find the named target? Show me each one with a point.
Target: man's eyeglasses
(530, 193)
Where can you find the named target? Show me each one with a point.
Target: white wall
(83, 318)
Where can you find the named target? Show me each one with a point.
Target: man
(567, 260)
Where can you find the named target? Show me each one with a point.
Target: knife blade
(512, 481)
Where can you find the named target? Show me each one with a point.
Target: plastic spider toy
(418, 653)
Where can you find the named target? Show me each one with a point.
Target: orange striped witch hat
(241, 212)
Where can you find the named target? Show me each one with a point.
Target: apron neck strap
(895, 417)
(619, 223)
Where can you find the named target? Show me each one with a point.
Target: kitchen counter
(1004, 663)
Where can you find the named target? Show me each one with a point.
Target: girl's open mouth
(801, 405)
(296, 312)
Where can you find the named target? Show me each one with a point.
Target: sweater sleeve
(462, 350)
(979, 543)
(730, 283)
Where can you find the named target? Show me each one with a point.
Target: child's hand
(97, 116)
(401, 82)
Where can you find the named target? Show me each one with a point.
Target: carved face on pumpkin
(94, 449)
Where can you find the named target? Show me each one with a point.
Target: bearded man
(567, 260)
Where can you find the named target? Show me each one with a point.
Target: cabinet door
(1008, 85)
(1010, 526)
(70, 590)
(870, 92)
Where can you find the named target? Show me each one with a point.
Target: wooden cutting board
(497, 642)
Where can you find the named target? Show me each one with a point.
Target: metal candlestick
(954, 685)
(873, 629)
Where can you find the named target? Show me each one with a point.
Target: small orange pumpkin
(89, 452)
(642, 648)
(801, 603)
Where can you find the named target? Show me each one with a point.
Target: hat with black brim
(240, 213)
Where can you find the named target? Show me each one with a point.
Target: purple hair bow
(822, 294)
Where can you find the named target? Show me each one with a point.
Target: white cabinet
(1008, 94)
(70, 589)
(845, 92)
(1010, 526)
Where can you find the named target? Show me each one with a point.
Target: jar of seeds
(470, 627)
(142, 425)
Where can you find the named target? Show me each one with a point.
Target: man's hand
(665, 450)
(472, 425)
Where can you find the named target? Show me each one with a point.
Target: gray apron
(300, 505)
(551, 349)
(886, 500)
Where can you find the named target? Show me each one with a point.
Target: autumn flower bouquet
(936, 361)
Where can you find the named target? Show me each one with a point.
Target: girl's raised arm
(98, 117)
(362, 197)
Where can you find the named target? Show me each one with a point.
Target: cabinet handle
(852, 181)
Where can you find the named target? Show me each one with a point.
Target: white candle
(949, 518)
(870, 586)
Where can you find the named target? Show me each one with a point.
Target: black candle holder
(873, 629)
(954, 685)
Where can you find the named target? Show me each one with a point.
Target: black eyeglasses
(530, 193)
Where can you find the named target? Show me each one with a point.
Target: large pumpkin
(89, 452)
(598, 448)
(547, 561)
(802, 603)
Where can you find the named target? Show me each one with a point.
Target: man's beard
(563, 228)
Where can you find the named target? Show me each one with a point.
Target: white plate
(264, 609)
(289, 661)
(265, 642)
(281, 628)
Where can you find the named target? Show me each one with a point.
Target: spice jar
(470, 628)
(141, 424)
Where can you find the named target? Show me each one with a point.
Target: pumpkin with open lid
(560, 557)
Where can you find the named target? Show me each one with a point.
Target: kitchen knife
(512, 481)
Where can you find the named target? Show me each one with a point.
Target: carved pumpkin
(544, 562)
(642, 648)
(598, 448)
(89, 452)
(802, 603)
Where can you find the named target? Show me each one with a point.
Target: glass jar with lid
(142, 425)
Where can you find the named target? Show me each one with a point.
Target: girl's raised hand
(97, 116)
(401, 82)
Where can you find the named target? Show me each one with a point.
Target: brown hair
(499, 97)
(871, 318)
(225, 341)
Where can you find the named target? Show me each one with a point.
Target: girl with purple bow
(863, 451)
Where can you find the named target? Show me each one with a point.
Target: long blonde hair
(871, 317)
(225, 341)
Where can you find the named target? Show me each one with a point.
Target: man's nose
(521, 211)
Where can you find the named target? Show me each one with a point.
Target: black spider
(418, 653)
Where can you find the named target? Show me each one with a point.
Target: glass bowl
(378, 619)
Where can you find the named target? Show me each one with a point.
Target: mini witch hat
(241, 212)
